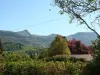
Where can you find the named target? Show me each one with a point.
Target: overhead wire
(41, 23)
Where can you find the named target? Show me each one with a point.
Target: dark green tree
(59, 47)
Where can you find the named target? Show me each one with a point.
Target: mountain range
(26, 38)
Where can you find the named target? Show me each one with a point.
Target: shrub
(73, 59)
(18, 64)
(12, 56)
(93, 67)
(43, 68)
(57, 58)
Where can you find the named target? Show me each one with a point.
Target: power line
(45, 22)
(42, 23)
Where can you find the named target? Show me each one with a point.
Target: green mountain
(26, 38)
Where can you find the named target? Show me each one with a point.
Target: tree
(77, 47)
(96, 46)
(59, 47)
(79, 9)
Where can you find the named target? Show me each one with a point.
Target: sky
(37, 16)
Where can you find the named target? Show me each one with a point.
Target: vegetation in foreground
(53, 61)
(22, 64)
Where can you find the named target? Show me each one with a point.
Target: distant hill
(84, 37)
(26, 38)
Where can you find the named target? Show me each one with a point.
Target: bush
(21, 64)
(57, 58)
(73, 59)
(43, 68)
(12, 56)
(93, 68)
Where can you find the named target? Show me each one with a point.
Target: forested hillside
(26, 38)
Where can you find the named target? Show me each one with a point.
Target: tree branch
(78, 16)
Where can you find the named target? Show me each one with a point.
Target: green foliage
(9, 46)
(59, 47)
(13, 57)
(96, 46)
(1, 63)
(22, 64)
(43, 68)
(57, 58)
(1, 57)
(93, 68)
(44, 53)
(73, 59)
(28, 48)
(37, 52)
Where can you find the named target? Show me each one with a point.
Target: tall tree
(80, 9)
(59, 47)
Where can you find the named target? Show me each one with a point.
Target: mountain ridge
(27, 38)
